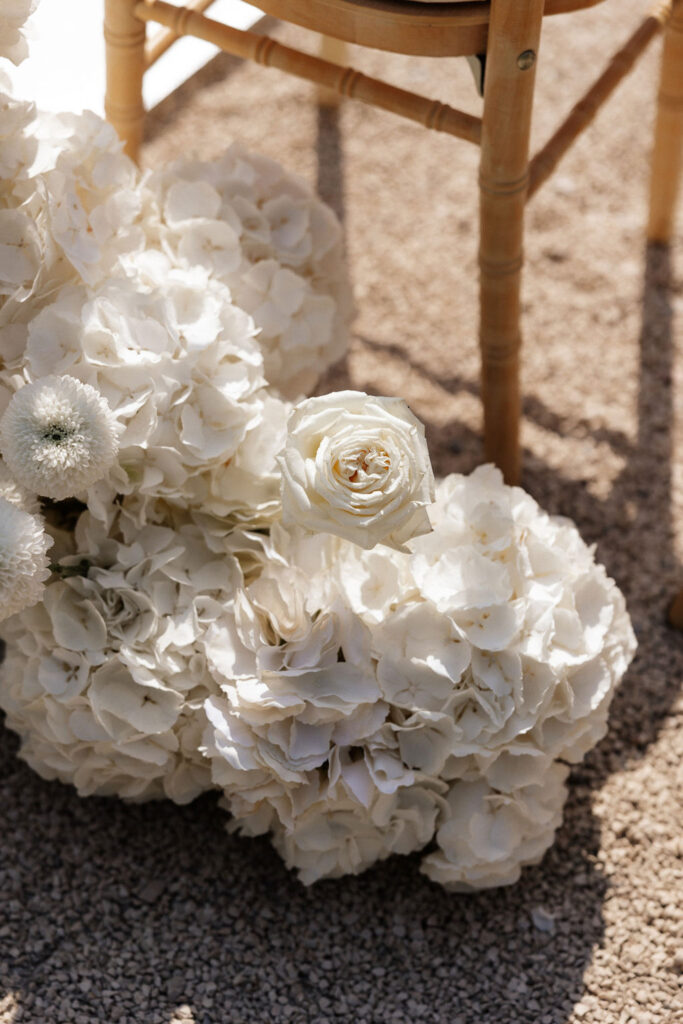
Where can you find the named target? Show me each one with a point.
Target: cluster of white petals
(103, 278)
(104, 680)
(17, 152)
(24, 565)
(260, 230)
(462, 670)
(13, 16)
(276, 604)
(487, 836)
(358, 467)
(71, 209)
(58, 437)
(299, 737)
(179, 367)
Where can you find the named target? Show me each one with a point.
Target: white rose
(358, 467)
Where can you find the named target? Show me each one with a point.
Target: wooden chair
(505, 35)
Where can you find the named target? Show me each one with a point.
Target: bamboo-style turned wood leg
(124, 36)
(347, 82)
(336, 51)
(514, 34)
(668, 147)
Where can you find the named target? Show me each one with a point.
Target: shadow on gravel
(222, 67)
(152, 914)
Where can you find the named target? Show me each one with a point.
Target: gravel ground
(153, 915)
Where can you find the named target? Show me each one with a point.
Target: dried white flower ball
(58, 436)
(23, 559)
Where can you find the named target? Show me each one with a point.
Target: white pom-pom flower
(357, 467)
(23, 559)
(58, 436)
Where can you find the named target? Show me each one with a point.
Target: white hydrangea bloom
(352, 703)
(299, 738)
(18, 147)
(361, 808)
(58, 436)
(351, 680)
(340, 834)
(297, 679)
(13, 16)
(261, 231)
(20, 252)
(180, 369)
(93, 196)
(500, 630)
(70, 208)
(24, 565)
(487, 837)
(103, 681)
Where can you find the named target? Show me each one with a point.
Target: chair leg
(336, 51)
(124, 36)
(514, 34)
(666, 157)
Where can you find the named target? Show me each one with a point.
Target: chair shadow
(220, 68)
(330, 154)
(153, 914)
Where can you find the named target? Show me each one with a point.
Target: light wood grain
(503, 180)
(337, 52)
(345, 81)
(432, 30)
(668, 146)
(503, 30)
(163, 40)
(124, 38)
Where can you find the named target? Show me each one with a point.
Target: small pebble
(543, 920)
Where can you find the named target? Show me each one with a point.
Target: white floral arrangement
(211, 581)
